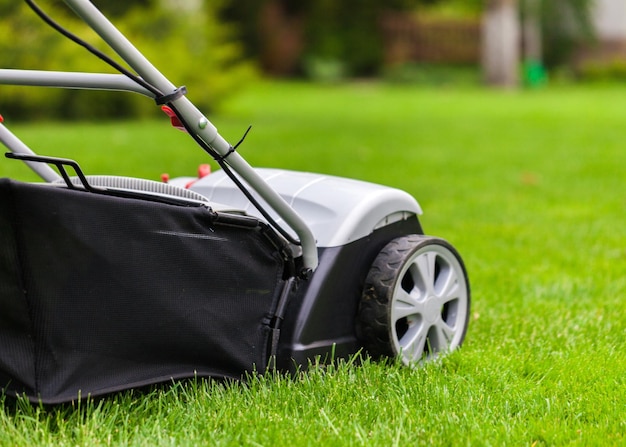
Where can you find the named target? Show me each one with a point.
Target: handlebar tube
(198, 123)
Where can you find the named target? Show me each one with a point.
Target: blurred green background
(218, 48)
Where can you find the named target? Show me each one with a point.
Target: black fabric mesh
(100, 293)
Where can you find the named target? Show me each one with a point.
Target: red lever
(173, 118)
(204, 170)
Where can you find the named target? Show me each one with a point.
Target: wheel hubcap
(429, 304)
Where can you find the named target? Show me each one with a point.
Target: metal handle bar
(199, 124)
(63, 79)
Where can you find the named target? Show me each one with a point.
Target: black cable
(224, 165)
(158, 94)
(99, 54)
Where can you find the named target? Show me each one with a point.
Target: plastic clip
(232, 149)
(179, 92)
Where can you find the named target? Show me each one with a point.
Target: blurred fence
(445, 41)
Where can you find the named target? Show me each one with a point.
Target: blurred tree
(459, 8)
(8, 7)
(553, 29)
(565, 24)
(305, 34)
(500, 51)
(244, 14)
(112, 8)
(342, 32)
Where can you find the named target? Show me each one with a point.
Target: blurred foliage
(342, 38)
(430, 74)
(565, 25)
(211, 49)
(339, 36)
(452, 8)
(603, 71)
(190, 47)
(117, 8)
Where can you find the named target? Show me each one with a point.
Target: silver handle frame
(199, 124)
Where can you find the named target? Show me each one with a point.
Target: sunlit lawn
(529, 186)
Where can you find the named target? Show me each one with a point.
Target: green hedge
(190, 48)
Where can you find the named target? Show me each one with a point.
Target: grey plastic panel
(338, 210)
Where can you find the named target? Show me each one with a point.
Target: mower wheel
(416, 300)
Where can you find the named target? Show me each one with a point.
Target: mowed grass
(529, 186)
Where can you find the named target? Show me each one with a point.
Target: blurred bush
(440, 75)
(602, 71)
(190, 47)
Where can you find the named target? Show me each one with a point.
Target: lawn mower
(109, 283)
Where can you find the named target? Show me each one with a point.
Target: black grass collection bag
(100, 293)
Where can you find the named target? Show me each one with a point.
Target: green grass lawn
(529, 186)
